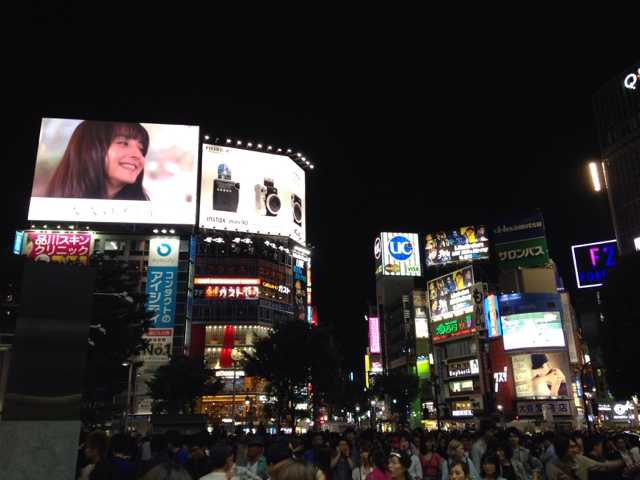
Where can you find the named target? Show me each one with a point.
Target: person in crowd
(96, 448)
(548, 454)
(198, 464)
(102, 160)
(415, 469)
(276, 454)
(455, 451)
(460, 470)
(465, 438)
(167, 471)
(256, 461)
(631, 471)
(620, 449)
(294, 469)
(158, 446)
(509, 468)
(430, 461)
(221, 458)
(174, 446)
(341, 462)
(399, 465)
(360, 472)
(121, 448)
(489, 466)
(352, 440)
(570, 465)
(379, 464)
(486, 433)
(531, 464)
(317, 439)
(634, 447)
(322, 461)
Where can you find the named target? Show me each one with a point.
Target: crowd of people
(409, 454)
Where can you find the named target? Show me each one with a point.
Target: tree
(402, 388)
(119, 321)
(177, 386)
(292, 358)
(620, 328)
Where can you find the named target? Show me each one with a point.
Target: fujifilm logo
(517, 228)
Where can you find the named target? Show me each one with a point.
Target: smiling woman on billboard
(115, 172)
(102, 160)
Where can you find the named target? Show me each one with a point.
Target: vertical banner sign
(162, 279)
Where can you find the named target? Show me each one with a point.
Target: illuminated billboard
(115, 172)
(225, 290)
(531, 321)
(464, 244)
(57, 247)
(451, 294)
(397, 254)
(591, 262)
(253, 192)
(540, 375)
(520, 240)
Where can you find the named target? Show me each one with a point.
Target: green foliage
(293, 356)
(177, 386)
(620, 328)
(118, 339)
(401, 386)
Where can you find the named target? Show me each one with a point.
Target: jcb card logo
(400, 248)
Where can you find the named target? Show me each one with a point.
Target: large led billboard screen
(467, 243)
(531, 321)
(397, 254)
(451, 294)
(115, 172)
(541, 374)
(253, 192)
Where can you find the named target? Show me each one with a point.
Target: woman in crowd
(360, 472)
(399, 464)
(379, 463)
(455, 450)
(459, 470)
(489, 466)
(509, 468)
(430, 461)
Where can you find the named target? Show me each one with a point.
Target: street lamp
(247, 406)
(235, 356)
(358, 414)
(584, 396)
(127, 412)
(372, 414)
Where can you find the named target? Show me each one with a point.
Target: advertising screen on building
(115, 172)
(451, 294)
(397, 254)
(57, 247)
(253, 192)
(591, 262)
(463, 244)
(531, 321)
(540, 375)
(520, 240)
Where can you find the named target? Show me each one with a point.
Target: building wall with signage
(617, 114)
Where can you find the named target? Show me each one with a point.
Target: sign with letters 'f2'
(592, 261)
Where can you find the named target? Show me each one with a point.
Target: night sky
(417, 117)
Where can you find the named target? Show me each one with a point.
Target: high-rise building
(617, 114)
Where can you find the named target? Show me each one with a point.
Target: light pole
(247, 406)
(358, 414)
(125, 413)
(235, 356)
(584, 396)
(372, 414)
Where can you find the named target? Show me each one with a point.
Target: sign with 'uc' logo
(400, 247)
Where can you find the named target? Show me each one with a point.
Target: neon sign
(631, 80)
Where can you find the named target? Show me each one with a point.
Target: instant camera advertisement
(115, 172)
(252, 192)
